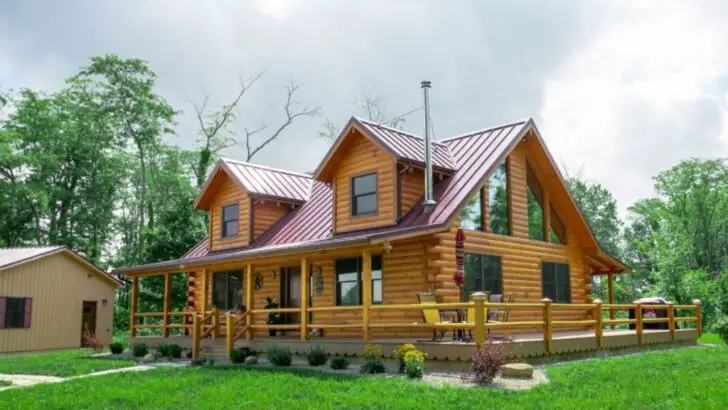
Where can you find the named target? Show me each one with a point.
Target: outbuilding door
(88, 320)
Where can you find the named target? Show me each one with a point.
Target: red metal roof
(310, 225)
(270, 182)
(408, 146)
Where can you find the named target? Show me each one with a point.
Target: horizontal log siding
(361, 158)
(412, 188)
(265, 214)
(229, 193)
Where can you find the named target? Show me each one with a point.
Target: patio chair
(431, 316)
(498, 315)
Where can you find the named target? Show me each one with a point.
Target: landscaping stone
(521, 370)
(250, 360)
(149, 358)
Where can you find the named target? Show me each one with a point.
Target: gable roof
(13, 257)
(259, 180)
(401, 145)
(310, 226)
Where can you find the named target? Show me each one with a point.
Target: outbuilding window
(364, 195)
(15, 312)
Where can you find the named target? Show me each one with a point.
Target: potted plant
(273, 318)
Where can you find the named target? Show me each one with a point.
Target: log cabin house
(344, 251)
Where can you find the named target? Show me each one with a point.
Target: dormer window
(364, 195)
(230, 214)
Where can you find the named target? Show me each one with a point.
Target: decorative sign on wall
(319, 280)
(258, 281)
(272, 274)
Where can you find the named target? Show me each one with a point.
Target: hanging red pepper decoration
(459, 277)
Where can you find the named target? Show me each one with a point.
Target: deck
(529, 346)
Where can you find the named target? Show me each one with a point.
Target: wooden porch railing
(242, 325)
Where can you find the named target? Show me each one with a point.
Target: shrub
(174, 351)
(317, 356)
(414, 364)
(401, 351)
(162, 350)
(487, 361)
(116, 348)
(279, 356)
(339, 363)
(198, 361)
(238, 355)
(721, 327)
(372, 357)
(139, 350)
(209, 360)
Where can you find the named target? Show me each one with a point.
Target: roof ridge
(9, 248)
(483, 130)
(266, 167)
(397, 130)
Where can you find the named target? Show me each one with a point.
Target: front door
(88, 320)
(291, 292)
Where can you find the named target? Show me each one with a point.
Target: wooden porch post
(698, 317)
(479, 331)
(638, 322)
(547, 326)
(205, 290)
(167, 299)
(196, 330)
(134, 306)
(671, 320)
(366, 292)
(304, 299)
(610, 286)
(598, 329)
(229, 333)
(249, 300)
(546, 216)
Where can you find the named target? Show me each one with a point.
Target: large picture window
(364, 195)
(230, 216)
(227, 290)
(472, 215)
(482, 274)
(348, 281)
(15, 313)
(498, 201)
(556, 282)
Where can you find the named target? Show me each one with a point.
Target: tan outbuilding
(48, 296)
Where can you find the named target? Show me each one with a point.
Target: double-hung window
(15, 312)
(348, 281)
(230, 214)
(483, 273)
(556, 282)
(364, 195)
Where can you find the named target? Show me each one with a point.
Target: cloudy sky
(619, 89)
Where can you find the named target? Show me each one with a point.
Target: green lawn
(713, 338)
(63, 363)
(683, 378)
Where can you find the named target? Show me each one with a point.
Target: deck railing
(242, 325)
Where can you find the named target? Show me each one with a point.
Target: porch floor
(527, 345)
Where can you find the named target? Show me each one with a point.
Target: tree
(369, 106)
(599, 208)
(140, 118)
(216, 128)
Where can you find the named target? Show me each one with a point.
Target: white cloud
(648, 91)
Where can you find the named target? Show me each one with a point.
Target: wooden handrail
(337, 308)
(276, 310)
(149, 314)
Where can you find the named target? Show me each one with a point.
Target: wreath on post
(258, 281)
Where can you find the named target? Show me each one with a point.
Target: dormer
(245, 200)
(376, 174)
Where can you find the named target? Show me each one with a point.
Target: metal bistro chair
(498, 315)
(431, 315)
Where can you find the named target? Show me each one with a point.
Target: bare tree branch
(291, 115)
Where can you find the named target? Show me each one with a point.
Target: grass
(712, 338)
(682, 378)
(62, 363)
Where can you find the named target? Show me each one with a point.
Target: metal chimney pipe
(430, 203)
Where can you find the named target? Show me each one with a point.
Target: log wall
(229, 193)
